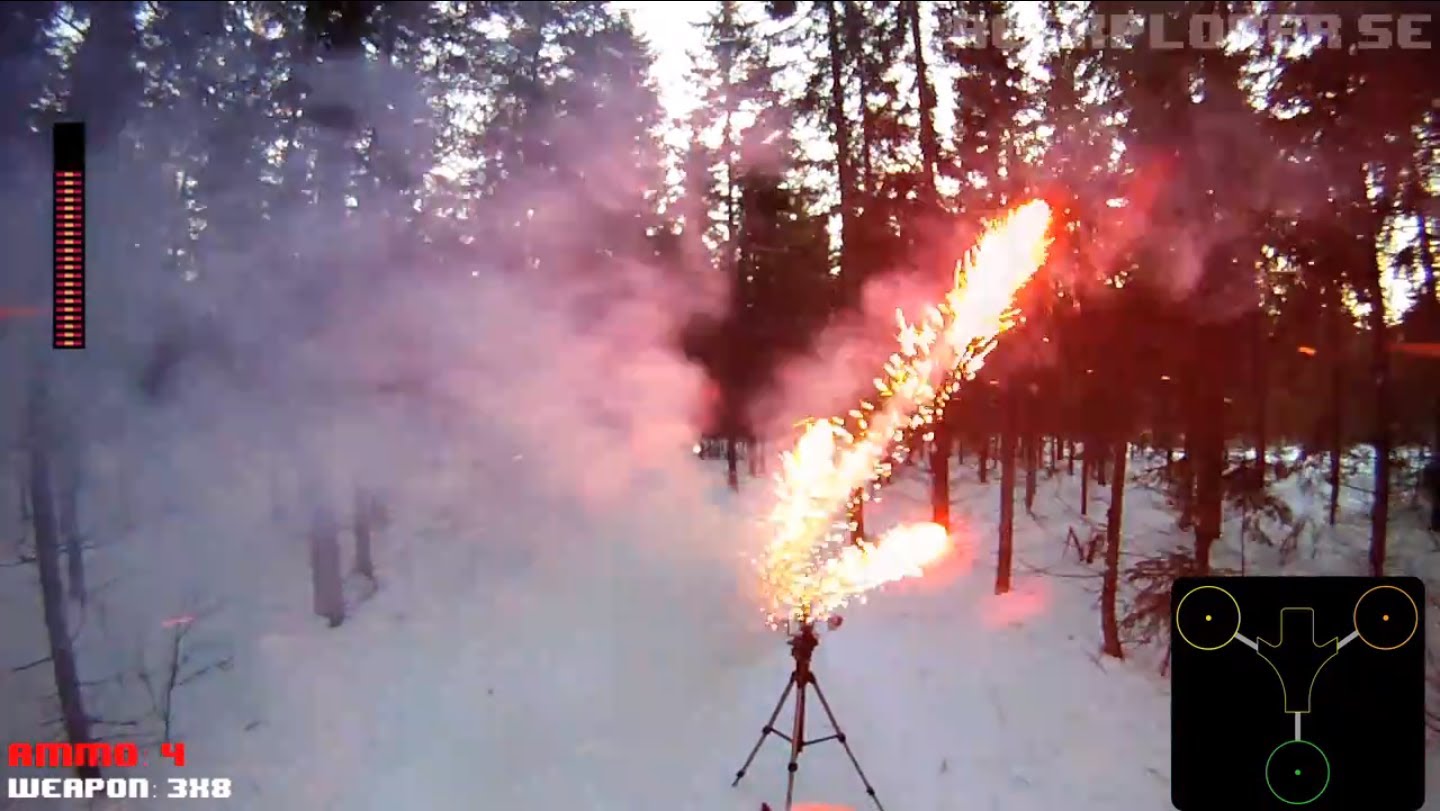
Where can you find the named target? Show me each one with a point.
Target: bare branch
(29, 665)
(104, 723)
(160, 687)
(222, 664)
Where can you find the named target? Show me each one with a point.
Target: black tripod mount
(802, 647)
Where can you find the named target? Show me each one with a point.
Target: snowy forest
(439, 369)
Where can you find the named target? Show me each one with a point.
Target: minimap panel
(1298, 692)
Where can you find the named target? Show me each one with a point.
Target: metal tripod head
(802, 646)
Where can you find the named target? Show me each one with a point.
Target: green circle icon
(1297, 772)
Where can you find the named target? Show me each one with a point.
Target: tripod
(802, 646)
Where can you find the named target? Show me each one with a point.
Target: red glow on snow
(1026, 600)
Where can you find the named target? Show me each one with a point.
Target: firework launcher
(813, 564)
(803, 641)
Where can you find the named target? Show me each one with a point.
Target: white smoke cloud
(509, 420)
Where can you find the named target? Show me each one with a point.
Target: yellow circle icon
(1209, 618)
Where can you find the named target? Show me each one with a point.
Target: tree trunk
(326, 581)
(944, 434)
(929, 144)
(22, 490)
(1380, 375)
(365, 515)
(840, 123)
(1337, 402)
(1186, 488)
(1110, 584)
(52, 593)
(1085, 450)
(1032, 448)
(1430, 292)
(1008, 439)
(855, 50)
(732, 469)
(1429, 285)
(1262, 400)
(1435, 460)
(940, 475)
(1207, 426)
(985, 459)
(69, 522)
(732, 157)
(1070, 456)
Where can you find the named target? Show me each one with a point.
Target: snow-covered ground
(555, 653)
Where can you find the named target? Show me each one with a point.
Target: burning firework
(809, 569)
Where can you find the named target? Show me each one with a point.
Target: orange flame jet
(809, 569)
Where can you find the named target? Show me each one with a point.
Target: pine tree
(736, 82)
(24, 65)
(737, 91)
(40, 424)
(929, 205)
(1173, 102)
(782, 249)
(566, 147)
(986, 161)
(988, 92)
(826, 102)
(105, 83)
(1369, 144)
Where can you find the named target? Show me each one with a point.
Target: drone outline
(1284, 690)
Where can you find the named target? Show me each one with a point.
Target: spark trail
(809, 569)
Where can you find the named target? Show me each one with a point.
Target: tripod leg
(797, 739)
(769, 728)
(840, 736)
